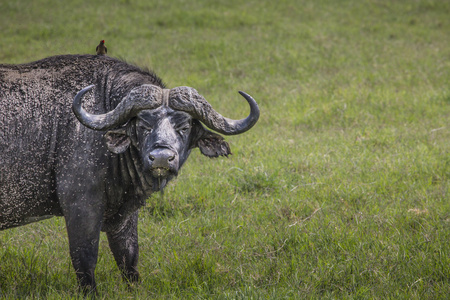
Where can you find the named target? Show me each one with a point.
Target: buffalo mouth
(160, 172)
(159, 177)
(159, 183)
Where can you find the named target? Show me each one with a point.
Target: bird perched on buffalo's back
(101, 49)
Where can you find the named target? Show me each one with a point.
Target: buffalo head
(163, 125)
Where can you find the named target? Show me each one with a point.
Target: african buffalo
(97, 168)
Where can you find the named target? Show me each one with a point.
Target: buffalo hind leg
(123, 242)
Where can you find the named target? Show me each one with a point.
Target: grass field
(341, 191)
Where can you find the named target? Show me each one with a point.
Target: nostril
(162, 158)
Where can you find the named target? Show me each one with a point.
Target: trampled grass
(340, 191)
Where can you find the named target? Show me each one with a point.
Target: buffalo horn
(140, 98)
(187, 99)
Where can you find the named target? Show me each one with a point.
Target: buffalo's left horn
(142, 97)
(187, 99)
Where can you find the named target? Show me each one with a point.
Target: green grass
(341, 191)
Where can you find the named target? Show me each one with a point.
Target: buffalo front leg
(123, 241)
(83, 229)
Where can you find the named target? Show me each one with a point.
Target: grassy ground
(340, 191)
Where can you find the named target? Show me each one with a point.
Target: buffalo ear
(210, 144)
(117, 140)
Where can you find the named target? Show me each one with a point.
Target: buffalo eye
(147, 130)
(183, 130)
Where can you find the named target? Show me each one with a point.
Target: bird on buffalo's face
(101, 49)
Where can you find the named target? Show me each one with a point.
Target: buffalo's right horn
(142, 97)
